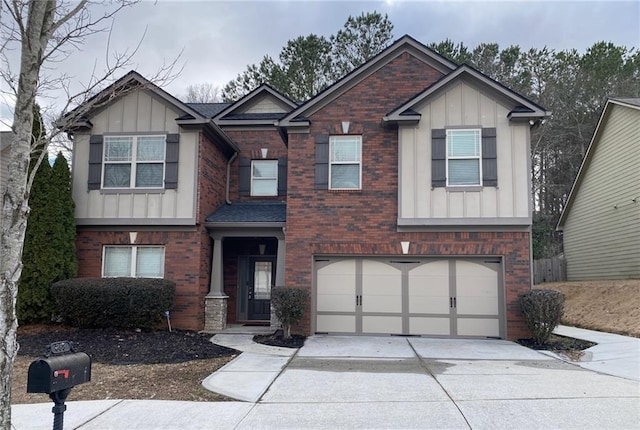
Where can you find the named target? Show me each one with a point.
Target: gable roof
(78, 117)
(235, 113)
(405, 44)
(633, 103)
(524, 109)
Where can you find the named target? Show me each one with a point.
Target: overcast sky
(218, 39)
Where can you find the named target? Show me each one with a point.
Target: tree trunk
(15, 200)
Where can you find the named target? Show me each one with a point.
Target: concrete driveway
(391, 382)
(382, 383)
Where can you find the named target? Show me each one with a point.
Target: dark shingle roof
(243, 212)
(208, 110)
(257, 116)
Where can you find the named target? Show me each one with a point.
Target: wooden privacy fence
(550, 270)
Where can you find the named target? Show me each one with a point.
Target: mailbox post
(62, 369)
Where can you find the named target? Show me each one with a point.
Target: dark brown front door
(261, 278)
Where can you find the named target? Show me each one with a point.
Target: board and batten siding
(602, 229)
(136, 113)
(464, 105)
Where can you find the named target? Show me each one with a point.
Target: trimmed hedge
(113, 302)
(542, 309)
(289, 305)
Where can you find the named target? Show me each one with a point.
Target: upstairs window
(345, 162)
(464, 157)
(134, 162)
(264, 178)
(133, 261)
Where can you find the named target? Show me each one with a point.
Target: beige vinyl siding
(136, 113)
(463, 104)
(266, 104)
(602, 229)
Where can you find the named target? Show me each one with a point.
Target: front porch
(247, 262)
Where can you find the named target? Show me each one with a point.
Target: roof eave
(244, 224)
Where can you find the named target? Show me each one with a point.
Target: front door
(261, 277)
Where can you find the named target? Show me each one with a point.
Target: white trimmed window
(264, 178)
(134, 161)
(133, 261)
(345, 162)
(464, 157)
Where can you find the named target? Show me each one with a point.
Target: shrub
(289, 305)
(113, 302)
(543, 310)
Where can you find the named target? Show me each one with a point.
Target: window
(464, 157)
(133, 261)
(264, 178)
(345, 166)
(134, 161)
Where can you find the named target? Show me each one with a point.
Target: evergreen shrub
(113, 302)
(543, 309)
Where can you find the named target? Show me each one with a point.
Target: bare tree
(44, 31)
(203, 93)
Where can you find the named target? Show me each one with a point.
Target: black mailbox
(58, 372)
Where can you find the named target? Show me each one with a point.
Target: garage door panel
(382, 324)
(336, 323)
(381, 287)
(478, 327)
(336, 303)
(474, 305)
(476, 289)
(430, 326)
(429, 288)
(429, 305)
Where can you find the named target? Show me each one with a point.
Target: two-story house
(399, 197)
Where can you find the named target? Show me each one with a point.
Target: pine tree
(34, 302)
(49, 246)
(63, 237)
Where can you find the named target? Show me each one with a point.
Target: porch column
(280, 253)
(280, 263)
(216, 300)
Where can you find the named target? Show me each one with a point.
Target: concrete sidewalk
(613, 355)
(377, 382)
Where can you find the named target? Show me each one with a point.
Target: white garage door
(455, 297)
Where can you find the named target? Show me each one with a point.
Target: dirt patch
(128, 365)
(610, 306)
(567, 346)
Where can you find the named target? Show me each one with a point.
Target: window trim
(133, 161)
(478, 157)
(134, 260)
(273, 179)
(331, 162)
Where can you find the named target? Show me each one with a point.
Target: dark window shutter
(282, 176)
(171, 161)
(438, 157)
(322, 162)
(244, 176)
(489, 158)
(95, 162)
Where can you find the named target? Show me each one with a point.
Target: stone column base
(215, 313)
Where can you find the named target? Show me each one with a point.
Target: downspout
(233, 157)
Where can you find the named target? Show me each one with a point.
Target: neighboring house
(6, 138)
(399, 197)
(601, 220)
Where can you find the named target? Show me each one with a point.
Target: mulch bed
(117, 346)
(277, 339)
(558, 344)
